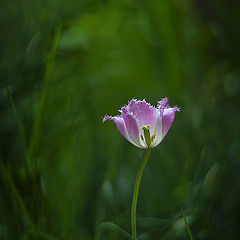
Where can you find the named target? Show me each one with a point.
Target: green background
(64, 65)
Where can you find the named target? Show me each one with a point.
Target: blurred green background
(64, 65)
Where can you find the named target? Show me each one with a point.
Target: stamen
(153, 136)
(142, 137)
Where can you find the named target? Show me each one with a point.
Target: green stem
(135, 193)
(186, 225)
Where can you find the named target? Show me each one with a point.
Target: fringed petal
(167, 119)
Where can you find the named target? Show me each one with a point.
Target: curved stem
(135, 193)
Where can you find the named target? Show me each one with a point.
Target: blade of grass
(186, 225)
(40, 106)
(21, 129)
(18, 198)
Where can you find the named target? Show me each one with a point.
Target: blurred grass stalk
(36, 125)
(186, 225)
(35, 134)
(20, 126)
(19, 199)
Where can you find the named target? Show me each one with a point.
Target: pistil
(146, 133)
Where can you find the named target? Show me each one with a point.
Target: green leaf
(148, 222)
(114, 227)
(144, 236)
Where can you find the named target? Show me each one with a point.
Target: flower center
(147, 136)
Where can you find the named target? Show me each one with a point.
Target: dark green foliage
(64, 65)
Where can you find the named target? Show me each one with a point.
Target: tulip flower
(144, 126)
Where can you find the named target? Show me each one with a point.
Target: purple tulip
(142, 124)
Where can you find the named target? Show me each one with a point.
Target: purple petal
(127, 126)
(143, 112)
(118, 120)
(158, 131)
(131, 126)
(162, 104)
(167, 119)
